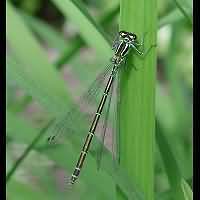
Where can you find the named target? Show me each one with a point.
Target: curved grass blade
(107, 18)
(27, 151)
(188, 194)
(170, 18)
(171, 166)
(67, 48)
(47, 33)
(28, 81)
(185, 8)
(73, 46)
(89, 30)
(77, 42)
(31, 72)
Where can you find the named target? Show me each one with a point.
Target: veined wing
(78, 117)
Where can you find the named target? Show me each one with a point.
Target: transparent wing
(109, 136)
(115, 42)
(79, 115)
(115, 147)
(107, 126)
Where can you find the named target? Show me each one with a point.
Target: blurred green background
(54, 49)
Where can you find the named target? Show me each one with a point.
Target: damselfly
(124, 42)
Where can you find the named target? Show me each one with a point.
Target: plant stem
(137, 97)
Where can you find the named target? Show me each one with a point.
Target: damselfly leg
(143, 54)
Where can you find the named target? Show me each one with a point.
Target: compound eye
(133, 36)
(123, 34)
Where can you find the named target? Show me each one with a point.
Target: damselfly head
(127, 36)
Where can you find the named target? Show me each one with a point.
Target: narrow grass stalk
(27, 151)
(137, 97)
(78, 42)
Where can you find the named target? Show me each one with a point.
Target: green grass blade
(47, 33)
(32, 85)
(185, 8)
(171, 166)
(137, 97)
(28, 64)
(179, 101)
(188, 194)
(68, 53)
(27, 151)
(18, 131)
(170, 18)
(89, 30)
(108, 17)
(76, 43)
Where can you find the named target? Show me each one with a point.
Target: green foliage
(172, 169)
(185, 6)
(52, 37)
(36, 94)
(186, 190)
(90, 31)
(30, 64)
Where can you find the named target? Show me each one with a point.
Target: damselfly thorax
(122, 46)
